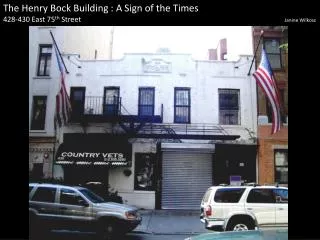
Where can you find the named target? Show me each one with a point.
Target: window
(206, 196)
(281, 166)
(144, 172)
(38, 112)
(45, 52)
(70, 197)
(146, 102)
(111, 101)
(77, 99)
(229, 110)
(228, 195)
(281, 195)
(182, 105)
(44, 194)
(30, 188)
(264, 195)
(273, 51)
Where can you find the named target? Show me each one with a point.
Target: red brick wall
(266, 143)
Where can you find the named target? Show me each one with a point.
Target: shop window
(182, 105)
(281, 166)
(144, 172)
(39, 112)
(44, 62)
(229, 107)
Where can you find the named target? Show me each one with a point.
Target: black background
(304, 102)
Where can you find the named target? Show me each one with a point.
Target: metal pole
(261, 34)
(54, 41)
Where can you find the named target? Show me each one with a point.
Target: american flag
(266, 81)
(63, 105)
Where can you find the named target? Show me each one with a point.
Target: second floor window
(146, 102)
(273, 51)
(111, 101)
(182, 105)
(229, 109)
(39, 112)
(44, 62)
(77, 99)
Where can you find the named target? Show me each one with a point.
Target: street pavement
(155, 225)
(171, 222)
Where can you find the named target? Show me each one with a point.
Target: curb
(173, 233)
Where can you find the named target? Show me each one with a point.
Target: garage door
(185, 178)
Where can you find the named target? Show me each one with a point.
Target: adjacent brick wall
(267, 143)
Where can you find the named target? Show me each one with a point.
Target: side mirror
(83, 203)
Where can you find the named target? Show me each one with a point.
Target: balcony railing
(95, 109)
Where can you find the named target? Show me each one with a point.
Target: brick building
(273, 149)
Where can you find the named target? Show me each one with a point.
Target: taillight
(208, 211)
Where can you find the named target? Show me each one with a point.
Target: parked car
(274, 234)
(60, 207)
(238, 208)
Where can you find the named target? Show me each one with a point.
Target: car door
(44, 203)
(74, 209)
(281, 195)
(261, 203)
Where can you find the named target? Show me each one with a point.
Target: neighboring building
(43, 86)
(160, 128)
(273, 149)
(88, 43)
(219, 53)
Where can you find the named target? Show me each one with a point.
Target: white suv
(238, 208)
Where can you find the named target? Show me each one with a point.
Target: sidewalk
(171, 222)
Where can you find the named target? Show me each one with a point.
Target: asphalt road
(129, 236)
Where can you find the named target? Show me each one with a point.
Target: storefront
(88, 157)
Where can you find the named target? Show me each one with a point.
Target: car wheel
(240, 225)
(107, 230)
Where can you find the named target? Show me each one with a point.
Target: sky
(194, 40)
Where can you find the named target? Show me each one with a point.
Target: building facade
(160, 128)
(43, 86)
(273, 148)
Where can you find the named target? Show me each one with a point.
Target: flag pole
(255, 53)
(54, 41)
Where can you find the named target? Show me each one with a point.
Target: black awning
(94, 152)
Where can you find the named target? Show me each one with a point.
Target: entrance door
(111, 101)
(77, 99)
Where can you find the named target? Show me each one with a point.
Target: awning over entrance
(94, 151)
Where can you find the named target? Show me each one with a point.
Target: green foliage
(284, 46)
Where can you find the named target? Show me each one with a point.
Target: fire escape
(122, 122)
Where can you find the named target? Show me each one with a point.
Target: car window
(264, 195)
(68, 196)
(228, 195)
(281, 195)
(44, 194)
(30, 189)
(91, 196)
(206, 196)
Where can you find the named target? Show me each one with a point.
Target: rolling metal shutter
(185, 178)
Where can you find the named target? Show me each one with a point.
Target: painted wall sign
(157, 66)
